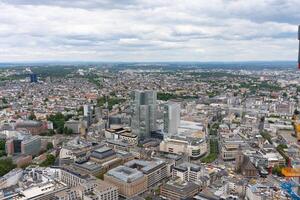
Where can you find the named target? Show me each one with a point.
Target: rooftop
(125, 174)
(144, 165)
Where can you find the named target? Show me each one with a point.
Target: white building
(11, 178)
(193, 147)
(188, 172)
(171, 118)
(190, 140)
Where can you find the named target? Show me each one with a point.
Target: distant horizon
(91, 61)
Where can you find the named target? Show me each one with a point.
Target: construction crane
(289, 172)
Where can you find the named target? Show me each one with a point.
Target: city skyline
(144, 31)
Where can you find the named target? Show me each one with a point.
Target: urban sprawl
(144, 131)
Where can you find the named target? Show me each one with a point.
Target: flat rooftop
(102, 149)
(144, 165)
(125, 174)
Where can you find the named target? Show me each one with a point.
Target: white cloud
(146, 30)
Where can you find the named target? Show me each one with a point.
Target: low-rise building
(31, 145)
(99, 190)
(102, 154)
(130, 182)
(193, 147)
(177, 190)
(188, 172)
(155, 170)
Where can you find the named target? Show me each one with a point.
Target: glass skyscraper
(144, 113)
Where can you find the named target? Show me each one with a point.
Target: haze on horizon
(147, 30)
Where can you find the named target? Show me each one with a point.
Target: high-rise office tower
(33, 78)
(171, 118)
(88, 114)
(144, 113)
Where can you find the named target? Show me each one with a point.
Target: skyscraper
(171, 118)
(33, 78)
(88, 114)
(144, 113)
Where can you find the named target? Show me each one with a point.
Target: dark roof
(247, 164)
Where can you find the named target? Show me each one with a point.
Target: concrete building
(144, 111)
(88, 167)
(155, 170)
(99, 190)
(171, 118)
(72, 177)
(262, 192)
(10, 178)
(130, 182)
(33, 127)
(188, 172)
(102, 154)
(129, 138)
(178, 190)
(193, 147)
(229, 151)
(74, 125)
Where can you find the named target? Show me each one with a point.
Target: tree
(68, 131)
(111, 101)
(6, 165)
(2, 148)
(277, 170)
(50, 160)
(58, 121)
(49, 145)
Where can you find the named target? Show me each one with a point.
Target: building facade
(31, 146)
(171, 118)
(144, 110)
(130, 182)
(193, 147)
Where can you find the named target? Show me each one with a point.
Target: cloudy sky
(148, 30)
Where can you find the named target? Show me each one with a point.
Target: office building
(9, 147)
(178, 190)
(192, 147)
(171, 118)
(88, 167)
(99, 190)
(73, 177)
(102, 154)
(144, 113)
(32, 126)
(74, 125)
(130, 182)
(33, 78)
(188, 172)
(31, 145)
(88, 114)
(155, 170)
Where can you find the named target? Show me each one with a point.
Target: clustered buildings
(150, 135)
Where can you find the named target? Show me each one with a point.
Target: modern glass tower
(144, 113)
(171, 118)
